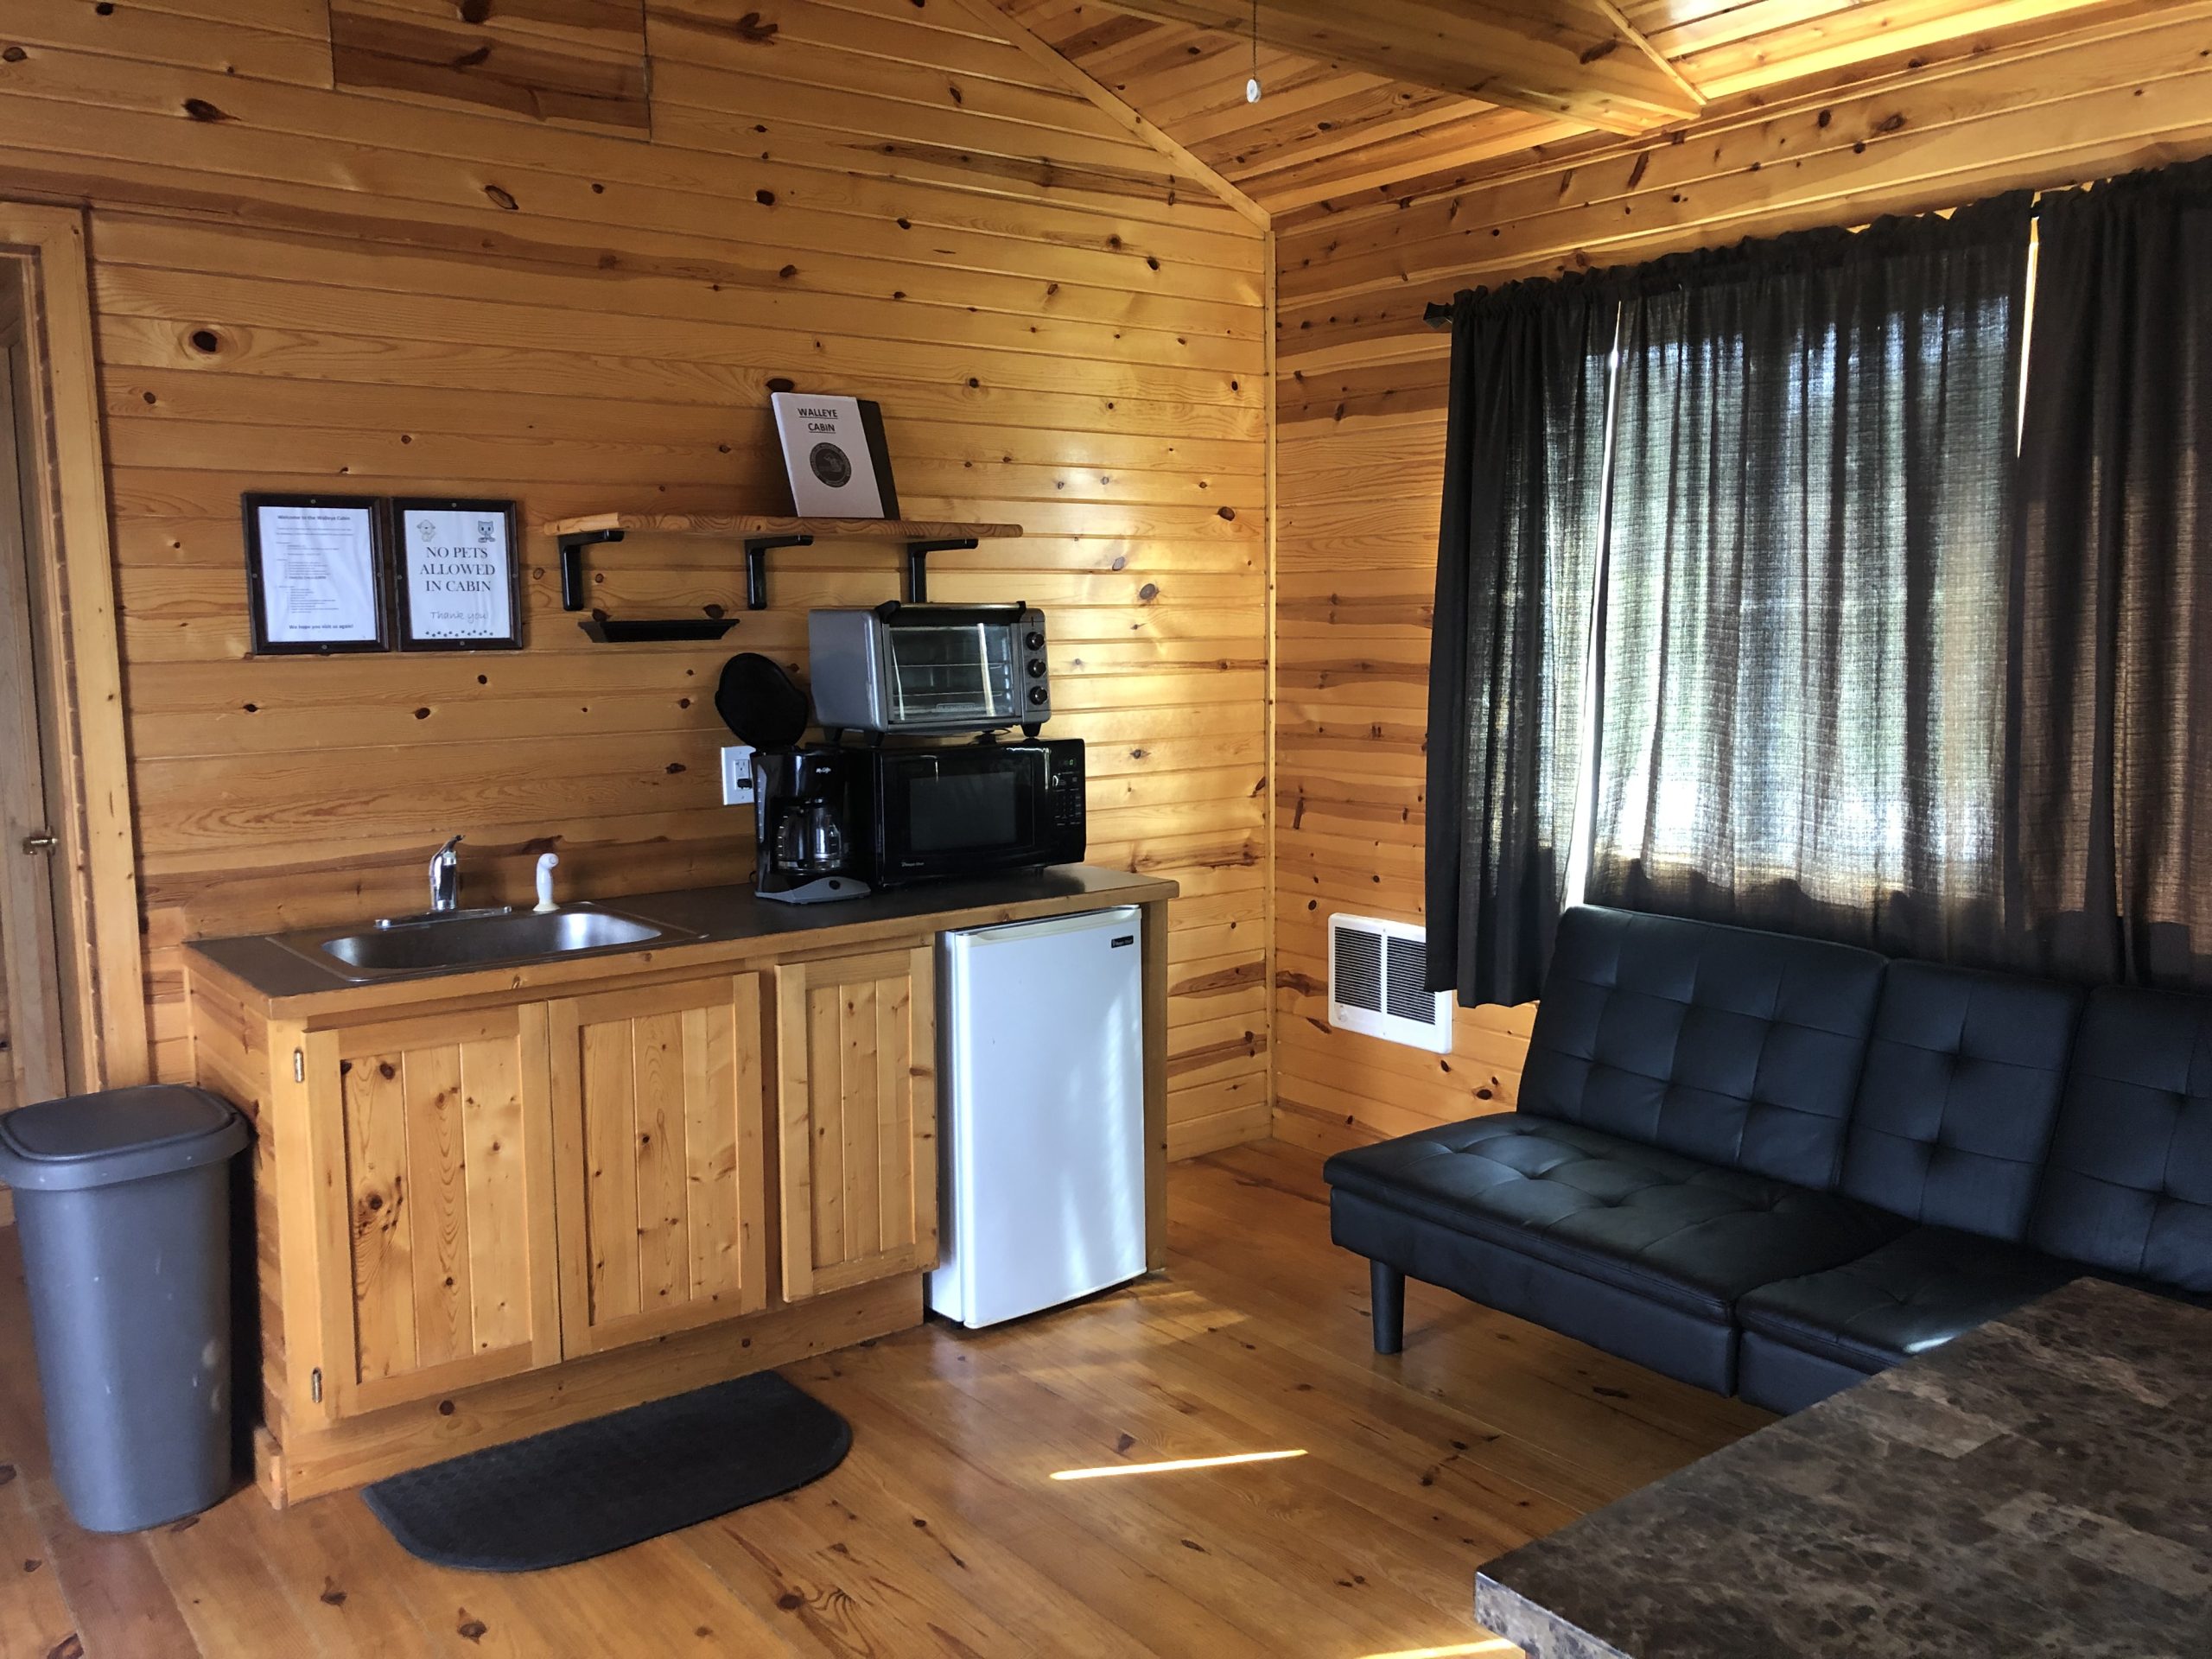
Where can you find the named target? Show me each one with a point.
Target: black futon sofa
(1772, 1166)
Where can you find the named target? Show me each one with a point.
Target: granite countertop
(2039, 1487)
(704, 923)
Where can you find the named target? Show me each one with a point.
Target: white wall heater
(1375, 969)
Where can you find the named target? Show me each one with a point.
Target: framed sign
(314, 574)
(454, 571)
(835, 456)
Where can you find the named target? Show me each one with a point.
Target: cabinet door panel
(437, 1271)
(857, 1095)
(660, 1103)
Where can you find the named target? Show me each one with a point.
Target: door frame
(103, 964)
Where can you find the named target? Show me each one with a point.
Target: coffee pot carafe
(811, 813)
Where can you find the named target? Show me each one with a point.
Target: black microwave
(976, 808)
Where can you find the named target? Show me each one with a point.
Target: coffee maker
(812, 814)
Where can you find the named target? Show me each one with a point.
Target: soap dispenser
(545, 863)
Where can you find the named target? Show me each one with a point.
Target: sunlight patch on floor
(1110, 1470)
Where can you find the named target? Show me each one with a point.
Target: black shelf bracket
(917, 564)
(757, 549)
(572, 564)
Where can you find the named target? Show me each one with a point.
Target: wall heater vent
(1375, 969)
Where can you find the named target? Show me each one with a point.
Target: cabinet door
(856, 1087)
(433, 1149)
(659, 1108)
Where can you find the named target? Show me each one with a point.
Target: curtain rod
(1437, 314)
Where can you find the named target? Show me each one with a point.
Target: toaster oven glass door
(950, 811)
(952, 673)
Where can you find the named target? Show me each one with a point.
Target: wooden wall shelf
(759, 532)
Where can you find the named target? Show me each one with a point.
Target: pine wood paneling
(659, 1113)
(579, 62)
(1330, 132)
(440, 1132)
(1361, 393)
(408, 288)
(857, 1091)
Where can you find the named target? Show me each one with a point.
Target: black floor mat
(573, 1493)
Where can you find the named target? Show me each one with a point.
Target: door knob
(45, 842)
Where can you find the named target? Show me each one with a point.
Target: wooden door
(659, 1111)
(856, 1087)
(33, 1060)
(433, 1147)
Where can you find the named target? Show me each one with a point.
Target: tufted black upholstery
(1959, 1096)
(1733, 1047)
(1640, 1217)
(1697, 1349)
(1915, 1293)
(1771, 1165)
(2128, 1185)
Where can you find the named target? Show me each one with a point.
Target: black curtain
(2111, 681)
(1805, 650)
(1516, 574)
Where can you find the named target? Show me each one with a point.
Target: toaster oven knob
(1033, 640)
(1036, 668)
(1036, 697)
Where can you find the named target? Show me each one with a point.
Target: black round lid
(760, 703)
(118, 1134)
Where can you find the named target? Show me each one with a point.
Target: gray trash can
(123, 1202)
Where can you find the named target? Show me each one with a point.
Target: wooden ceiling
(1374, 94)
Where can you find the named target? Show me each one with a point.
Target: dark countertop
(2037, 1488)
(706, 923)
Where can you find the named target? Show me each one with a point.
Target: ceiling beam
(1577, 59)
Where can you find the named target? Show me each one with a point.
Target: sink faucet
(445, 879)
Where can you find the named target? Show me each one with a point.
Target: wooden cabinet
(857, 1108)
(658, 1112)
(494, 1201)
(431, 1146)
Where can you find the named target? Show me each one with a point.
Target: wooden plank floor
(942, 1532)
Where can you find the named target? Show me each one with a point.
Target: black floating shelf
(613, 631)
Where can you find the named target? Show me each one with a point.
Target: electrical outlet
(737, 775)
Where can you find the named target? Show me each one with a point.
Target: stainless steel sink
(435, 944)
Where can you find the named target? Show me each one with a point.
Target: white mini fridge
(1041, 1113)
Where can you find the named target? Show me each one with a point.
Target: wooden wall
(444, 258)
(1360, 407)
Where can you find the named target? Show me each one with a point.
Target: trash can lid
(117, 1134)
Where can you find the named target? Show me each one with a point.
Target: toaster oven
(930, 671)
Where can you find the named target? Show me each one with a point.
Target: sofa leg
(1386, 1288)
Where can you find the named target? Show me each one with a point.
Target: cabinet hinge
(299, 1065)
(315, 1385)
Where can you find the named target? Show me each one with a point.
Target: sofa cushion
(1959, 1096)
(1640, 1217)
(1736, 1047)
(1668, 1339)
(1778, 1377)
(2127, 1186)
(1913, 1293)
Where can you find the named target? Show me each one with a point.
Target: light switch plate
(737, 775)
